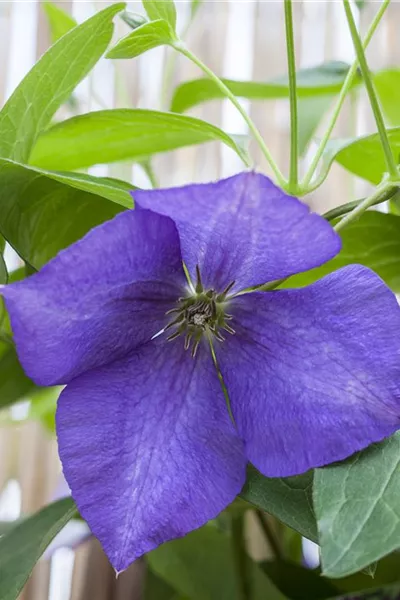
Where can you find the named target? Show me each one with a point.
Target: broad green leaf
(14, 384)
(120, 134)
(391, 592)
(373, 241)
(362, 156)
(298, 582)
(387, 85)
(289, 499)
(356, 504)
(156, 588)
(106, 187)
(3, 270)
(24, 544)
(143, 38)
(39, 216)
(50, 83)
(323, 80)
(201, 566)
(60, 21)
(161, 9)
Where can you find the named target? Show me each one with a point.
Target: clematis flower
(147, 442)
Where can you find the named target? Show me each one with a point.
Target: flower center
(202, 313)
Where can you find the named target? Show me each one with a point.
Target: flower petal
(313, 374)
(245, 229)
(148, 448)
(98, 299)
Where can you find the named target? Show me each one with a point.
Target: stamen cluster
(201, 313)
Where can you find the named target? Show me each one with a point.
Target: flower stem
(240, 557)
(269, 535)
(373, 98)
(348, 82)
(344, 209)
(294, 145)
(180, 47)
(383, 192)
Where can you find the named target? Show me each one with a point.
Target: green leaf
(323, 80)
(356, 503)
(201, 566)
(391, 592)
(161, 9)
(289, 499)
(387, 84)
(120, 134)
(60, 21)
(50, 83)
(298, 582)
(373, 241)
(3, 270)
(143, 38)
(156, 588)
(38, 214)
(14, 384)
(21, 548)
(362, 156)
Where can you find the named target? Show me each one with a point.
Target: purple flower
(145, 435)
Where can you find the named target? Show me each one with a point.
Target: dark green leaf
(201, 566)
(156, 588)
(298, 582)
(14, 384)
(362, 156)
(373, 241)
(323, 80)
(356, 503)
(143, 38)
(39, 215)
(49, 84)
(289, 499)
(161, 9)
(60, 21)
(3, 270)
(22, 546)
(391, 592)
(387, 85)
(120, 134)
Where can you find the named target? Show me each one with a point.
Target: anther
(229, 329)
(178, 319)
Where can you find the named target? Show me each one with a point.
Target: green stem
(373, 98)
(294, 145)
(339, 211)
(383, 192)
(348, 82)
(240, 557)
(148, 169)
(270, 536)
(227, 92)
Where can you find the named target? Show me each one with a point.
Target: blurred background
(238, 39)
